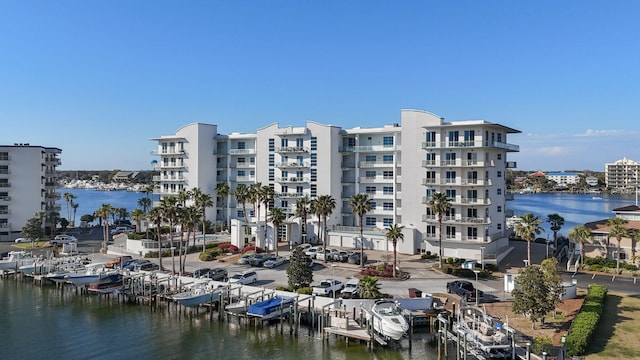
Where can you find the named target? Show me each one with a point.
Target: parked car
(117, 262)
(327, 287)
(259, 259)
(244, 278)
(217, 274)
(464, 289)
(354, 258)
(341, 255)
(131, 265)
(327, 254)
(305, 246)
(148, 266)
(63, 239)
(200, 272)
(245, 259)
(313, 251)
(121, 229)
(350, 290)
(22, 240)
(274, 262)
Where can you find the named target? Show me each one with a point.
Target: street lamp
(548, 242)
(333, 271)
(482, 257)
(476, 272)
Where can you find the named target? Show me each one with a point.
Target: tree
(556, 222)
(439, 205)
(265, 195)
(580, 234)
(68, 198)
(32, 230)
(277, 217)
(527, 228)
(145, 204)
(360, 205)
(88, 218)
(538, 292)
(137, 215)
(103, 213)
(169, 208)
(189, 217)
(202, 201)
(299, 272)
(617, 230)
(394, 233)
(302, 211)
(323, 206)
(74, 207)
(241, 193)
(368, 288)
(155, 214)
(222, 190)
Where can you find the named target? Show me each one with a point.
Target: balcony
(168, 152)
(292, 180)
(380, 195)
(168, 178)
(468, 144)
(5, 184)
(243, 178)
(172, 166)
(292, 149)
(52, 162)
(456, 182)
(293, 164)
(374, 164)
(289, 195)
(5, 225)
(377, 179)
(371, 148)
(456, 163)
(5, 198)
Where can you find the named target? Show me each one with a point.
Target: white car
(22, 240)
(274, 262)
(63, 239)
(313, 251)
(326, 255)
(244, 278)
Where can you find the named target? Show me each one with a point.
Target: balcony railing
(167, 152)
(290, 195)
(5, 198)
(292, 180)
(292, 149)
(364, 164)
(456, 182)
(169, 178)
(469, 144)
(370, 148)
(377, 178)
(293, 164)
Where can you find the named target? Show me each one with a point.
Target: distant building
(563, 179)
(28, 183)
(604, 245)
(591, 180)
(399, 167)
(125, 176)
(622, 174)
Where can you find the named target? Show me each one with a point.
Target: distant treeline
(143, 177)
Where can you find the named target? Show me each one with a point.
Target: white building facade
(563, 178)
(398, 166)
(28, 183)
(622, 174)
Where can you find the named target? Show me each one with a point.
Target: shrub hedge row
(585, 323)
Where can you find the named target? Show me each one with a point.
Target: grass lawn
(617, 333)
(27, 246)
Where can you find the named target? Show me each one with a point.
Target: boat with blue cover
(271, 308)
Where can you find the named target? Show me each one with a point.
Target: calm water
(38, 322)
(91, 200)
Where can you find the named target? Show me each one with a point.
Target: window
(387, 141)
(241, 173)
(450, 158)
(284, 204)
(285, 174)
(472, 233)
(430, 138)
(299, 189)
(252, 173)
(271, 175)
(499, 209)
(430, 177)
(351, 142)
(472, 213)
(284, 188)
(272, 160)
(370, 221)
(451, 194)
(499, 226)
(373, 204)
(314, 174)
(451, 232)
(387, 174)
(314, 159)
(450, 177)
(252, 160)
(472, 195)
(241, 160)
(387, 190)
(499, 174)
(499, 191)
(271, 144)
(299, 142)
(284, 142)
(431, 230)
(314, 143)
(314, 190)
(453, 138)
(387, 159)
(370, 190)
(240, 214)
(469, 136)
(387, 221)
(387, 206)
(241, 145)
(499, 156)
(370, 173)
(370, 158)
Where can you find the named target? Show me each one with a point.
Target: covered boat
(271, 308)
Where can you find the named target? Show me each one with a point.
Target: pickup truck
(327, 287)
(463, 289)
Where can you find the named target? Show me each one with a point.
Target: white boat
(93, 272)
(388, 319)
(37, 267)
(485, 335)
(237, 308)
(512, 221)
(199, 293)
(16, 259)
(272, 308)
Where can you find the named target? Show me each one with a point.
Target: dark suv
(463, 289)
(217, 274)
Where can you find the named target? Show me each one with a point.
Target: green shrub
(206, 256)
(304, 291)
(585, 323)
(541, 344)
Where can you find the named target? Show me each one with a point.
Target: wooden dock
(350, 329)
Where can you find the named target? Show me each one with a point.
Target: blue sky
(98, 79)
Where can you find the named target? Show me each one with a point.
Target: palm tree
(189, 217)
(360, 205)
(302, 211)
(241, 193)
(324, 205)
(617, 230)
(265, 195)
(183, 196)
(254, 197)
(556, 222)
(74, 207)
(368, 288)
(394, 233)
(145, 204)
(222, 190)
(169, 208)
(277, 217)
(103, 213)
(156, 216)
(527, 228)
(580, 234)
(137, 215)
(439, 205)
(68, 198)
(202, 202)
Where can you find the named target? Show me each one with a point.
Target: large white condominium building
(28, 183)
(398, 166)
(622, 174)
